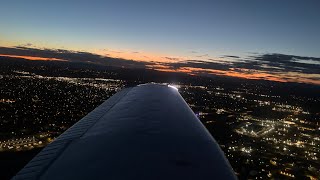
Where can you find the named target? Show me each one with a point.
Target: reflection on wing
(145, 132)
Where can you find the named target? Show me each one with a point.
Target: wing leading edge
(145, 132)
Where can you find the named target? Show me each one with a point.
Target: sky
(164, 30)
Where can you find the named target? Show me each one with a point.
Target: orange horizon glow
(140, 56)
(244, 74)
(232, 72)
(32, 58)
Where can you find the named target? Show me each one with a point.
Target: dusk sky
(166, 30)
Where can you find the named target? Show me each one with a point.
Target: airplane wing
(144, 132)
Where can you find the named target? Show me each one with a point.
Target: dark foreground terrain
(266, 129)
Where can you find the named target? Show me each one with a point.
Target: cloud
(275, 67)
(288, 63)
(172, 58)
(26, 45)
(119, 52)
(229, 56)
(72, 56)
(204, 55)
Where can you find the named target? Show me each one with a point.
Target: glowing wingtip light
(174, 87)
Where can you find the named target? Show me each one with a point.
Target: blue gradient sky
(170, 27)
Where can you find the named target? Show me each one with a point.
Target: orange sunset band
(33, 58)
(241, 73)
